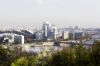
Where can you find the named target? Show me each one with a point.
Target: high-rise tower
(46, 30)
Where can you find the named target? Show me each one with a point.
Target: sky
(62, 13)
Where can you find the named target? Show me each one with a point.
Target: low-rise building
(19, 39)
(11, 38)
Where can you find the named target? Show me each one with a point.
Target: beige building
(65, 35)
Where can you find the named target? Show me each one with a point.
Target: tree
(20, 62)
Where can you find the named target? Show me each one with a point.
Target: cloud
(38, 2)
(42, 2)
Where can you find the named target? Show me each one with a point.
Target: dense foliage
(76, 56)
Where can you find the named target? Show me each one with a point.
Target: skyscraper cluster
(49, 31)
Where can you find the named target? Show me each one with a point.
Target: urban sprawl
(49, 38)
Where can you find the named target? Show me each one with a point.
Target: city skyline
(62, 13)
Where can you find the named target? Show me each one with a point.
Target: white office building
(46, 30)
(12, 38)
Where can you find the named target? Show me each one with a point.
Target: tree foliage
(76, 56)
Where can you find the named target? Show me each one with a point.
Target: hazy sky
(63, 13)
